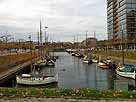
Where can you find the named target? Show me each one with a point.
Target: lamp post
(45, 41)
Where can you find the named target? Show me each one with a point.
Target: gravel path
(36, 99)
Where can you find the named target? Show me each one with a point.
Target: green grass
(13, 59)
(73, 93)
(127, 54)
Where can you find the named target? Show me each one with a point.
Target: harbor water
(73, 73)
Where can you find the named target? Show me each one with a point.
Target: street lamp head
(46, 27)
(29, 37)
(8, 35)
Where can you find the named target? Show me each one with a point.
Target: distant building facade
(121, 14)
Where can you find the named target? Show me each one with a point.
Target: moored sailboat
(32, 79)
(103, 65)
(28, 79)
(51, 63)
(126, 70)
(87, 57)
(87, 60)
(41, 63)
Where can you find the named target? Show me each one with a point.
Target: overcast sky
(64, 18)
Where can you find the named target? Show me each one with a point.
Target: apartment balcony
(115, 30)
(115, 26)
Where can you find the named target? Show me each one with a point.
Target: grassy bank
(127, 54)
(12, 59)
(72, 93)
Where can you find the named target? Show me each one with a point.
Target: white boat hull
(126, 74)
(94, 61)
(102, 65)
(87, 62)
(73, 54)
(51, 63)
(78, 55)
(36, 81)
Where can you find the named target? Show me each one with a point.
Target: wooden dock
(13, 71)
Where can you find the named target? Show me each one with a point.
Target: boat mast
(77, 43)
(38, 44)
(45, 50)
(94, 35)
(122, 47)
(95, 40)
(86, 39)
(45, 45)
(31, 53)
(73, 41)
(41, 45)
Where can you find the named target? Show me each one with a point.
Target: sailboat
(103, 64)
(73, 50)
(125, 70)
(78, 54)
(94, 59)
(87, 57)
(42, 62)
(50, 59)
(87, 60)
(31, 79)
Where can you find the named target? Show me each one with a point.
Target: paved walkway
(36, 99)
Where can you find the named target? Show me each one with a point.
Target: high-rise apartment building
(121, 14)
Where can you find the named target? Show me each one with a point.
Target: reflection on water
(124, 83)
(73, 73)
(80, 75)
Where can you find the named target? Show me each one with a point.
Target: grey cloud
(63, 17)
